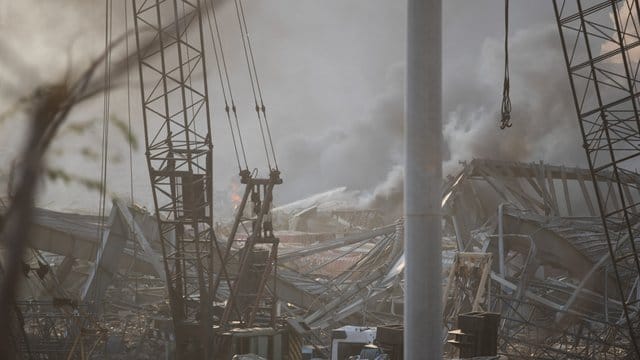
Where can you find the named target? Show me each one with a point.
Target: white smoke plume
(333, 82)
(545, 123)
(545, 126)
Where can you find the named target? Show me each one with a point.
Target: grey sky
(332, 75)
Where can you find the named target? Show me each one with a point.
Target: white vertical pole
(423, 179)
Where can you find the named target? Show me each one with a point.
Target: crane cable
(130, 141)
(106, 113)
(192, 105)
(245, 35)
(223, 76)
(129, 131)
(105, 126)
(505, 120)
(262, 107)
(255, 84)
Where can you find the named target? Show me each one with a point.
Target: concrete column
(423, 179)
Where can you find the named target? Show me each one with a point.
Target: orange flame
(236, 199)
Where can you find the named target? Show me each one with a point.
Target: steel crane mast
(179, 157)
(601, 43)
(177, 127)
(250, 303)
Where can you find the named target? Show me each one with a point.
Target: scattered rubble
(551, 285)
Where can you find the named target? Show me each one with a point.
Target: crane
(201, 269)
(600, 40)
(179, 158)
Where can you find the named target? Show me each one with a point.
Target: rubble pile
(338, 265)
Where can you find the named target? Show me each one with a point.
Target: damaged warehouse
(555, 293)
(223, 248)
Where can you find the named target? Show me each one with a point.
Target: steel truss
(178, 142)
(530, 331)
(61, 330)
(601, 42)
(467, 285)
(557, 294)
(249, 302)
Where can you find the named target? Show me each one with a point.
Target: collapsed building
(522, 240)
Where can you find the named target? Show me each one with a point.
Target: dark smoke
(387, 196)
(357, 154)
(320, 69)
(545, 124)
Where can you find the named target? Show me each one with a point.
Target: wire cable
(244, 34)
(223, 69)
(105, 124)
(130, 135)
(190, 69)
(130, 132)
(505, 111)
(255, 72)
(106, 113)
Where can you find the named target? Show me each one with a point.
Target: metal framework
(249, 301)
(358, 219)
(556, 291)
(60, 329)
(363, 293)
(178, 142)
(601, 41)
(555, 288)
(529, 331)
(467, 285)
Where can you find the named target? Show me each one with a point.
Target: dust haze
(333, 78)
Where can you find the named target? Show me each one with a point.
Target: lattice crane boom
(175, 109)
(601, 44)
(176, 114)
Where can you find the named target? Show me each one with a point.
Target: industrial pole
(423, 179)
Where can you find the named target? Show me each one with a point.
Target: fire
(235, 195)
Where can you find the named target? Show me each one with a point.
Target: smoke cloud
(356, 154)
(333, 79)
(545, 126)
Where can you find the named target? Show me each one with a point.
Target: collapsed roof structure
(551, 278)
(520, 239)
(530, 246)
